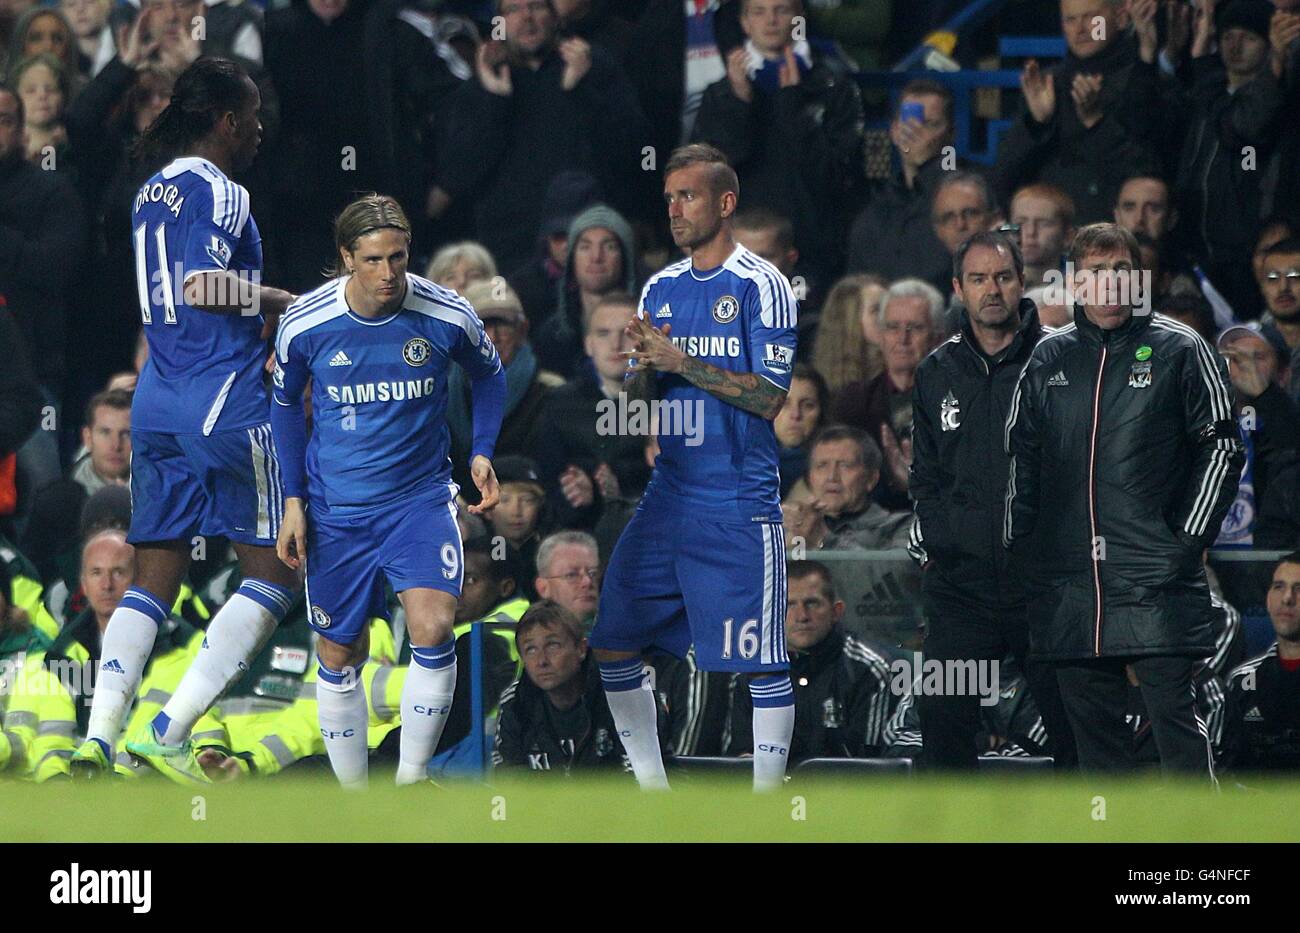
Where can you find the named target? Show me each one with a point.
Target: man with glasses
(963, 206)
(1280, 282)
(568, 572)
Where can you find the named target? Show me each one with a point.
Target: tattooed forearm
(747, 391)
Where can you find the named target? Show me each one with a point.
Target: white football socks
(124, 651)
(344, 716)
(773, 697)
(636, 718)
(426, 703)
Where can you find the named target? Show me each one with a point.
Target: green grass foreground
(313, 809)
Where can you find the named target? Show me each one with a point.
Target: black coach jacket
(958, 479)
(1124, 460)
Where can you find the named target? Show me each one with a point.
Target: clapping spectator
(538, 105)
(893, 236)
(1235, 115)
(790, 125)
(1096, 117)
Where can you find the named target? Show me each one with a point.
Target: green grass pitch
(610, 809)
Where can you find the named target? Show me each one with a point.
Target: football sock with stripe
(235, 636)
(124, 651)
(341, 704)
(773, 697)
(426, 703)
(636, 718)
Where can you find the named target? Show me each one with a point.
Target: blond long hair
(841, 352)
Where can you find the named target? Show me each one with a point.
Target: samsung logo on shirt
(398, 391)
(708, 346)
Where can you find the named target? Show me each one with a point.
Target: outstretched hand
(485, 478)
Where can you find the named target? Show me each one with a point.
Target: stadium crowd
(525, 141)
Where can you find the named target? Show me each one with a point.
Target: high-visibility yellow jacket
(27, 589)
(49, 707)
(270, 742)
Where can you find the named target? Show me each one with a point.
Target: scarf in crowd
(519, 376)
(766, 73)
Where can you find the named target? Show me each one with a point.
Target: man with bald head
(49, 709)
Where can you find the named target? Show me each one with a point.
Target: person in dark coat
(1125, 459)
(791, 126)
(538, 105)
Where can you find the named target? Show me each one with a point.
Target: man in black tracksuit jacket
(1125, 458)
(975, 608)
(842, 696)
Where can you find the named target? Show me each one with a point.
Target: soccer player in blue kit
(202, 461)
(371, 496)
(703, 558)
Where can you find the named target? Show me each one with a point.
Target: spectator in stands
(103, 122)
(789, 124)
(1143, 205)
(963, 206)
(1189, 309)
(498, 307)
(1281, 287)
(1258, 363)
(594, 21)
(1095, 118)
(42, 83)
(42, 231)
(520, 518)
(1231, 137)
(46, 30)
(771, 236)
(912, 322)
(1271, 232)
(56, 508)
(680, 52)
(843, 469)
(459, 264)
(89, 22)
(1045, 215)
(582, 464)
(537, 280)
(846, 347)
(842, 698)
(366, 128)
(186, 29)
(568, 573)
(1263, 730)
(20, 409)
(799, 419)
(601, 261)
(538, 105)
(893, 236)
(554, 717)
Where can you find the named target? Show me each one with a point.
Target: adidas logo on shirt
(113, 666)
(1059, 379)
(340, 359)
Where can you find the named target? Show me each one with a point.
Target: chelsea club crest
(417, 351)
(725, 309)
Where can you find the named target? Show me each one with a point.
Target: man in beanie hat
(601, 261)
(567, 194)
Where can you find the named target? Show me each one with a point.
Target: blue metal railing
(971, 16)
